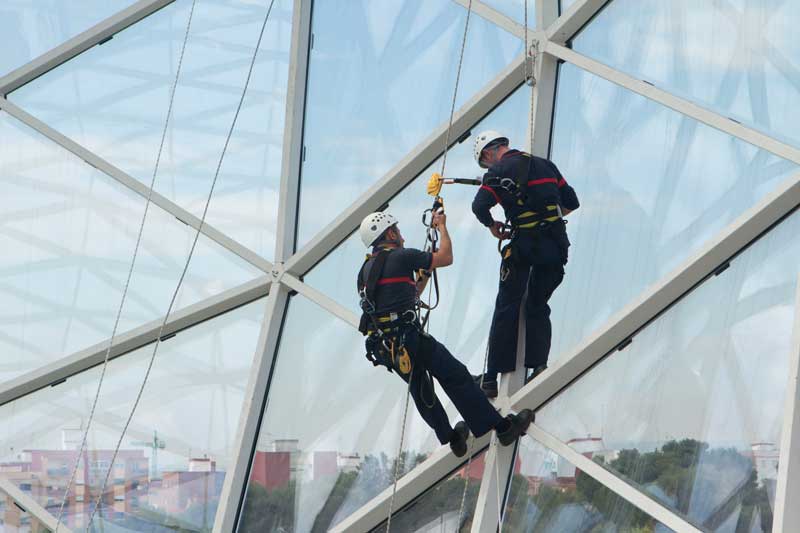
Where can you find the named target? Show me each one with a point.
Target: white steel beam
(441, 463)
(787, 510)
(81, 42)
(329, 304)
(613, 482)
(292, 161)
(30, 506)
(407, 169)
(685, 107)
(495, 17)
(63, 368)
(571, 22)
(235, 484)
(627, 322)
(135, 185)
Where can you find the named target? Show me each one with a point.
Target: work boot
(489, 387)
(458, 440)
(519, 424)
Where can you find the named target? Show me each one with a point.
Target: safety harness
(532, 219)
(386, 334)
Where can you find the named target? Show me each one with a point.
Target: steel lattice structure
(284, 276)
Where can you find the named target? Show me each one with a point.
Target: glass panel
(550, 495)
(331, 428)
(438, 510)
(692, 410)
(30, 29)
(169, 472)
(654, 187)
(381, 77)
(68, 233)
(463, 318)
(113, 100)
(738, 58)
(515, 9)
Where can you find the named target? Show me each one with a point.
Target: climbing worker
(535, 197)
(389, 284)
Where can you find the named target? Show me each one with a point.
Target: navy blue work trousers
(429, 354)
(536, 263)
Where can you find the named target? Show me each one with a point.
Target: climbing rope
(455, 91)
(431, 238)
(98, 501)
(399, 454)
(85, 437)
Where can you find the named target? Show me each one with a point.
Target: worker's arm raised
(444, 255)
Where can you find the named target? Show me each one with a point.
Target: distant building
(765, 457)
(45, 474)
(180, 490)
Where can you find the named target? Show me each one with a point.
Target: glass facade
(330, 432)
(448, 506)
(170, 468)
(691, 415)
(548, 494)
(113, 100)
(655, 187)
(702, 390)
(30, 29)
(380, 78)
(68, 233)
(738, 58)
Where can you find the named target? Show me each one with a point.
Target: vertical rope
(399, 454)
(98, 501)
(455, 91)
(104, 367)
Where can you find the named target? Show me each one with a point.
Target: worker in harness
(535, 197)
(389, 284)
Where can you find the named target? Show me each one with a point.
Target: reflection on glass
(738, 58)
(550, 495)
(438, 510)
(169, 471)
(468, 288)
(692, 410)
(113, 100)
(68, 235)
(516, 10)
(381, 77)
(654, 186)
(331, 429)
(30, 29)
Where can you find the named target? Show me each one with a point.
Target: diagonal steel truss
(285, 275)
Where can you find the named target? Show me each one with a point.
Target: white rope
(427, 325)
(399, 455)
(98, 501)
(85, 437)
(455, 91)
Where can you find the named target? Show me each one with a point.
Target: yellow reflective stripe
(533, 224)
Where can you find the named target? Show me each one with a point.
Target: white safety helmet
(374, 225)
(485, 138)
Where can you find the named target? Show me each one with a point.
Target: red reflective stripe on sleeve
(389, 281)
(487, 188)
(542, 181)
(562, 182)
